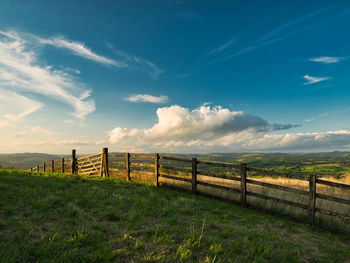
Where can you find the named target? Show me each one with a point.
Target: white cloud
(312, 80)
(330, 140)
(327, 60)
(147, 98)
(216, 129)
(80, 49)
(205, 126)
(14, 107)
(20, 69)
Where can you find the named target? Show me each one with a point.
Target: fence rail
(159, 168)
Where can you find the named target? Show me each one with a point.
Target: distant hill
(326, 163)
(26, 160)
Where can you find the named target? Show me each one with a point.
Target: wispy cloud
(147, 98)
(80, 49)
(122, 59)
(222, 47)
(15, 107)
(312, 80)
(137, 63)
(275, 35)
(327, 60)
(22, 70)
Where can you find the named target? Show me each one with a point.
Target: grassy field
(62, 218)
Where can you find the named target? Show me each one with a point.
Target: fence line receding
(225, 181)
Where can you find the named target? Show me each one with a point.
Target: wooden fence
(163, 170)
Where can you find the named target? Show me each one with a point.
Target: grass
(62, 218)
(322, 219)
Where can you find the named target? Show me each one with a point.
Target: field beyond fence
(325, 203)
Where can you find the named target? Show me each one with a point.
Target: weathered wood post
(106, 160)
(243, 169)
(37, 168)
(62, 166)
(312, 199)
(31, 169)
(74, 162)
(52, 166)
(104, 163)
(44, 167)
(127, 166)
(156, 168)
(194, 175)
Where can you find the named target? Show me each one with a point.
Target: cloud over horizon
(178, 127)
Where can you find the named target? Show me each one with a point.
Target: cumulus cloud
(179, 127)
(147, 98)
(312, 80)
(215, 129)
(21, 69)
(326, 60)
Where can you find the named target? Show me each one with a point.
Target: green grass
(62, 218)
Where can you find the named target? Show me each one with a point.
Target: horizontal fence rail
(190, 175)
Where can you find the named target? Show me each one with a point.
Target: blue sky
(174, 76)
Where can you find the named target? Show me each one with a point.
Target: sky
(174, 76)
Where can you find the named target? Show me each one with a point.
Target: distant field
(65, 218)
(331, 164)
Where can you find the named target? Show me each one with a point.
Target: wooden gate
(90, 165)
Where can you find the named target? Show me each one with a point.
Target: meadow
(70, 218)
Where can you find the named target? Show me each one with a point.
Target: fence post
(104, 163)
(127, 166)
(44, 167)
(62, 166)
(52, 166)
(31, 169)
(74, 160)
(312, 199)
(243, 169)
(38, 168)
(156, 168)
(194, 175)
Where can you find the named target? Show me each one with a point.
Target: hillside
(62, 218)
(26, 160)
